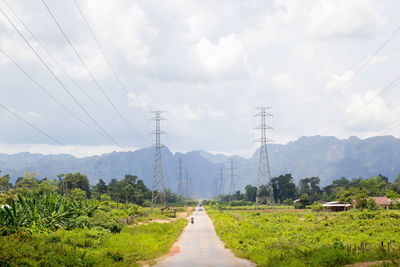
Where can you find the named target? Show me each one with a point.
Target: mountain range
(324, 156)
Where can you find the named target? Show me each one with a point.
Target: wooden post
(362, 246)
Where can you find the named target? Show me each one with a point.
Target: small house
(383, 202)
(336, 206)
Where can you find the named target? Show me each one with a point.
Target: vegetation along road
(199, 246)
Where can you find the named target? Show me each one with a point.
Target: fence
(368, 246)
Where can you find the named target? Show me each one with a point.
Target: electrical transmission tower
(187, 185)
(264, 172)
(158, 190)
(180, 182)
(221, 183)
(232, 189)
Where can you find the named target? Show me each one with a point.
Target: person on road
(192, 220)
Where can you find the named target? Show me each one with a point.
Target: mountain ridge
(324, 156)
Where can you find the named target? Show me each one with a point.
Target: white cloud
(377, 114)
(283, 80)
(226, 57)
(337, 81)
(207, 65)
(343, 18)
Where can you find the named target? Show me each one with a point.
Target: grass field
(90, 247)
(49, 230)
(287, 238)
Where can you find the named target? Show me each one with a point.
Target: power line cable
(55, 61)
(386, 89)
(61, 83)
(365, 64)
(39, 130)
(107, 59)
(88, 70)
(49, 94)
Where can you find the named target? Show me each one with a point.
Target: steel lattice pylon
(221, 183)
(264, 171)
(158, 190)
(181, 192)
(232, 189)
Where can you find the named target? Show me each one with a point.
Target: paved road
(199, 245)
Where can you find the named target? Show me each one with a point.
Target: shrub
(316, 206)
(372, 205)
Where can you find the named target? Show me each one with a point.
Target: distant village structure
(337, 206)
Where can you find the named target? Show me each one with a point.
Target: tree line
(308, 190)
(130, 189)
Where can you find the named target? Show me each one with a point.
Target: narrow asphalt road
(199, 245)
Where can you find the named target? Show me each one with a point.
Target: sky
(323, 66)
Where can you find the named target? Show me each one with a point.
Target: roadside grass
(306, 238)
(89, 247)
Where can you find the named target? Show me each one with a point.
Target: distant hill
(326, 157)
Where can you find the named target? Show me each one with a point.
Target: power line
(49, 94)
(60, 82)
(101, 49)
(107, 60)
(39, 130)
(355, 73)
(55, 61)
(386, 89)
(88, 70)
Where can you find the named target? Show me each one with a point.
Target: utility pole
(158, 190)
(180, 182)
(264, 172)
(221, 183)
(232, 176)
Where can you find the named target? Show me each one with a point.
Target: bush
(372, 205)
(317, 207)
(135, 210)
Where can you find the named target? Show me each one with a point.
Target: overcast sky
(207, 64)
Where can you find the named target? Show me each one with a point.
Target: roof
(336, 204)
(382, 201)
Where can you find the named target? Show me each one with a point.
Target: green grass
(260, 207)
(288, 238)
(89, 247)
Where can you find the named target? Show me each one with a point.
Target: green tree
(251, 192)
(27, 184)
(101, 188)
(305, 199)
(5, 184)
(78, 194)
(361, 201)
(47, 186)
(283, 187)
(77, 180)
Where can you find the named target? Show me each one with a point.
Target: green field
(288, 238)
(48, 230)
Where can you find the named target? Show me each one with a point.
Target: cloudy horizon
(207, 65)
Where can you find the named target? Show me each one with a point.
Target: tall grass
(305, 238)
